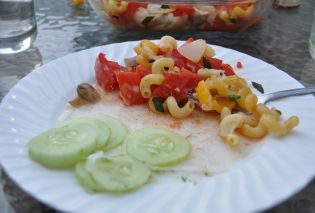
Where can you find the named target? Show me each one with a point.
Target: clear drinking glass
(312, 39)
(17, 25)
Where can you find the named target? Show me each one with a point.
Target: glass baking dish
(216, 15)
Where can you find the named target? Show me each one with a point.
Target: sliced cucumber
(84, 177)
(117, 173)
(103, 130)
(118, 131)
(64, 146)
(158, 147)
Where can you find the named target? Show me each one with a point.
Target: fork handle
(291, 92)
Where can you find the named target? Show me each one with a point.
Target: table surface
(281, 40)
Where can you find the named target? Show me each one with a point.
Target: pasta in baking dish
(178, 80)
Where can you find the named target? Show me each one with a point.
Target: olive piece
(86, 93)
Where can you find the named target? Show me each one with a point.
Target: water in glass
(17, 25)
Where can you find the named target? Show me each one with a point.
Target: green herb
(234, 97)
(165, 6)
(184, 178)
(206, 173)
(147, 20)
(278, 111)
(192, 98)
(158, 104)
(206, 63)
(258, 86)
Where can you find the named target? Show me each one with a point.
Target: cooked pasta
(247, 100)
(266, 124)
(117, 7)
(144, 61)
(258, 131)
(227, 127)
(249, 119)
(218, 85)
(225, 112)
(234, 82)
(149, 45)
(209, 52)
(179, 112)
(167, 44)
(146, 83)
(146, 53)
(263, 109)
(210, 73)
(160, 64)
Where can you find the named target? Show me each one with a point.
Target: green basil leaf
(258, 86)
(147, 20)
(158, 104)
(278, 111)
(234, 97)
(206, 63)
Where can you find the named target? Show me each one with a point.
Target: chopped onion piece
(194, 50)
(131, 62)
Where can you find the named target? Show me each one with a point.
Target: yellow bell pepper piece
(202, 92)
(221, 102)
(204, 96)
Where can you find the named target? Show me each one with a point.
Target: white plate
(279, 169)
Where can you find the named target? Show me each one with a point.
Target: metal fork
(285, 93)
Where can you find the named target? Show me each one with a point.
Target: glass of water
(17, 25)
(312, 39)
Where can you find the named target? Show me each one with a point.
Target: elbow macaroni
(149, 80)
(159, 65)
(224, 112)
(266, 124)
(179, 112)
(146, 53)
(210, 73)
(218, 85)
(117, 7)
(227, 127)
(209, 52)
(167, 44)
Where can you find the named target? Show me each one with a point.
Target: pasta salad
(180, 79)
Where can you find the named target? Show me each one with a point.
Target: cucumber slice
(84, 177)
(118, 131)
(64, 146)
(158, 147)
(103, 130)
(117, 173)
